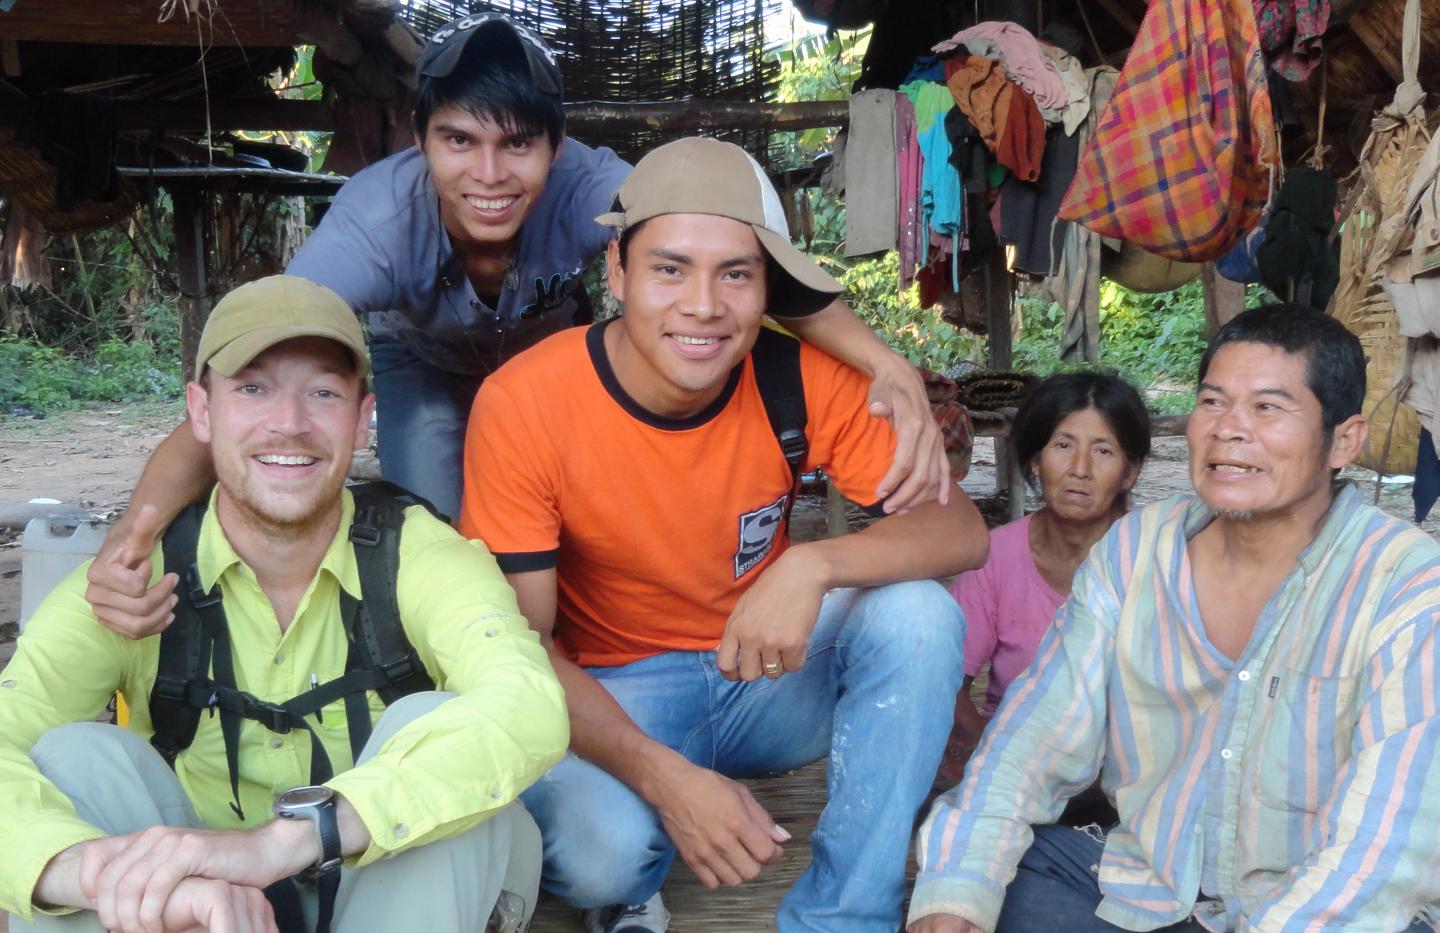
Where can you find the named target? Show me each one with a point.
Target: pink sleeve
(974, 593)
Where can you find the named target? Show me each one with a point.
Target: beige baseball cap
(699, 175)
(259, 314)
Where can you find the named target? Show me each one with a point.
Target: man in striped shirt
(1250, 670)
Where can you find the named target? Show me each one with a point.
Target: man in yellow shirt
(97, 831)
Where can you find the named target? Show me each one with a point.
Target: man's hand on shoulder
(120, 593)
(919, 472)
(942, 923)
(768, 632)
(719, 829)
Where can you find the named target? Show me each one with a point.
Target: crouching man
(303, 610)
(630, 481)
(1251, 672)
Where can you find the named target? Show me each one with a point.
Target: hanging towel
(1180, 163)
(872, 186)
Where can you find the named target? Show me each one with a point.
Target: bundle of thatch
(1372, 232)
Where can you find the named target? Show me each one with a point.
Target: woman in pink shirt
(1083, 438)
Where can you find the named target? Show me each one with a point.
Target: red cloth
(1180, 161)
(1023, 143)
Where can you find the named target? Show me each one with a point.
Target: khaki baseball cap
(708, 176)
(258, 315)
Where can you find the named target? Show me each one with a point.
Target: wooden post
(1223, 298)
(194, 303)
(1008, 477)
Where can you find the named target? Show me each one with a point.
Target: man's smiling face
(694, 291)
(282, 430)
(488, 177)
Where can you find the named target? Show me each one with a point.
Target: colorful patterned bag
(1180, 162)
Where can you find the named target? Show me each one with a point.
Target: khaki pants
(120, 784)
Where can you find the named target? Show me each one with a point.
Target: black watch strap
(328, 826)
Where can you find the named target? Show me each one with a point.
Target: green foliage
(46, 379)
(921, 335)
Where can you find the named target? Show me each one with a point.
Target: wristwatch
(316, 804)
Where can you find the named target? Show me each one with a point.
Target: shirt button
(1198, 829)
(1244, 676)
(494, 793)
(7, 683)
(401, 831)
(279, 659)
(277, 742)
(1226, 754)
(475, 303)
(491, 632)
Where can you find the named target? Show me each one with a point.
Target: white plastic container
(49, 550)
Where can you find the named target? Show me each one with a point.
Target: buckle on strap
(197, 595)
(364, 530)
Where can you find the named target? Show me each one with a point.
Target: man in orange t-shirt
(630, 485)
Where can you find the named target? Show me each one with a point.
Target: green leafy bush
(45, 379)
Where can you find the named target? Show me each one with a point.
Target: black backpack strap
(776, 359)
(184, 662)
(377, 636)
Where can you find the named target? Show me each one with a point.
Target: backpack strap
(184, 663)
(776, 359)
(377, 637)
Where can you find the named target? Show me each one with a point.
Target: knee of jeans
(74, 748)
(601, 854)
(918, 619)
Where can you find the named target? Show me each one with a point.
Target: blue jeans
(422, 412)
(1057, 887)
(877, 694)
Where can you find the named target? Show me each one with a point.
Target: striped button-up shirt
(1293, 788)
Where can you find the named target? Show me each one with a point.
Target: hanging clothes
(872, 185)
(1297, 259)
(1022, 144)
(1024, 62)
(1180, 163)
(940, 186)
(912, 239)
(1075, 286)
(1028, 207)
(968, 152)
(982, 92)
(1077, 90)
(1291, 33)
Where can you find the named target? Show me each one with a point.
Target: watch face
(304, 797)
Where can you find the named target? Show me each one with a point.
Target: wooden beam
(184, 116)
(669, 116)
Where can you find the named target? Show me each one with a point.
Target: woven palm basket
(1371, 235)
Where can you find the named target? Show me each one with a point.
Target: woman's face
(1082, 469)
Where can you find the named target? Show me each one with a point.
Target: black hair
(1334, 360)
(492, 82)
(1055, 398)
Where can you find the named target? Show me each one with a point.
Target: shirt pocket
(1305, 738)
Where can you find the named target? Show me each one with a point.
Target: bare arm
(170, 878)
(178, 473)
(719, 829)
(919, 472)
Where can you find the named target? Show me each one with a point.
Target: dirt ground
(92, 459)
